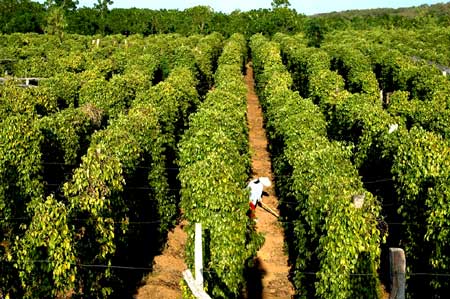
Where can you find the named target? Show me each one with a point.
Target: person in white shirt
(256, 187)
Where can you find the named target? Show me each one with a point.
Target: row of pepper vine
(331, 241)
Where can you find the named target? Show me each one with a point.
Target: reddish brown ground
(163, 282)
(272, 268)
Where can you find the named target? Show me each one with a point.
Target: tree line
(64, 16)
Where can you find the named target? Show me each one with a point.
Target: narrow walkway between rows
(164, 281)
(269, 278)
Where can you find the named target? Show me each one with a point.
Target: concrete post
(397, 263)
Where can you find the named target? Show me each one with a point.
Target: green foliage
(176, 98)
(20, 161)
(61, 124)
(111, 96)
(86, 83)
(280, 3)
(21, 16)
(355, 68)
(416, 160)
(18, 100)
(327, 234)
(48, 244)
(421, 168)
(201, 18)
(142, 71)
(102, 7)
(20, 184)
(68, 132)
(427, 43)
(97, 186)
(65, 86)
(315, 31)
(400, 72)
(206, 54)
(56, 22)
(303, 63)
(27, 16)
(67, 5)
(214, 164)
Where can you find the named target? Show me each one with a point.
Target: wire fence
(147, 268)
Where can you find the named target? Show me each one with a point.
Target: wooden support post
(397, 263)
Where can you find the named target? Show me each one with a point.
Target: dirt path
(163, 282)
(272, 268)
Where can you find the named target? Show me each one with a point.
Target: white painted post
(196, 285)
(198, 255)
(198, 292)
(98, 42)
(358, 200)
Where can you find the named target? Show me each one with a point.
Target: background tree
(67, 5)
(21, 16)
(60, 13)
(56, 21)
(315, 30)
(201, 18)
(84, 21)
(102, 8)
(129, 21)
(280, 3)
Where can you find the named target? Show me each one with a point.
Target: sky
(301, 6)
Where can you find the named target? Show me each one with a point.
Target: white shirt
(256, 190)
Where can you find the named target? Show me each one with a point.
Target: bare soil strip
(271, 263)
(163, 282)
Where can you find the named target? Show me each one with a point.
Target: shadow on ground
(254, 276)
